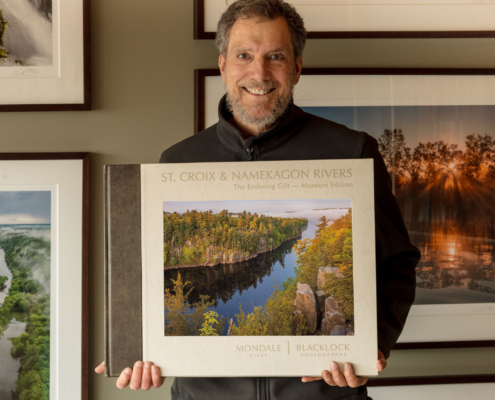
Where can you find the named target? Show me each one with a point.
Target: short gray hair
(265, 9)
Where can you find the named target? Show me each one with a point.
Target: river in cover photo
(251, 267)
(25, 237)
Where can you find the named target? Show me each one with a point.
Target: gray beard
(241, 114)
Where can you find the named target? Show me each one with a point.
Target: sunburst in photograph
(442, 163)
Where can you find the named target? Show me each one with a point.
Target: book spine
(123, 268)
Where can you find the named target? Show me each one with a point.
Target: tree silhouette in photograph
(446, 193)
(439, 184)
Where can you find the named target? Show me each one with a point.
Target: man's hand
(143, 376)
(336, 378)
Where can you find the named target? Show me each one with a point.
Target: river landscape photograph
(442, 163)
(25, 265)
(258, 267)
(26, 33)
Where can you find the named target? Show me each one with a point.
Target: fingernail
(147, 364)
(128, 371)
(154, 368)
(326, 375)
(334, 365)
(139, 364)
(347, 366)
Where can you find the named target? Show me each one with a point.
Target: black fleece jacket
(303, 136)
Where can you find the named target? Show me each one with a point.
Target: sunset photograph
(442, 163)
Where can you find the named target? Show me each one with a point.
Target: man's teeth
(258, 91)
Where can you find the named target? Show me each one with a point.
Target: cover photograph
(246, 269)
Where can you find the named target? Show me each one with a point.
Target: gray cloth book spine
(123, 274)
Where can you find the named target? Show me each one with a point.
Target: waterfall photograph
(25, 266)
(258, 267)
(442, 163)
(26, 33)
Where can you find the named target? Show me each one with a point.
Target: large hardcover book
(241, 269)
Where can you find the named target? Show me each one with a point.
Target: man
(260, 44)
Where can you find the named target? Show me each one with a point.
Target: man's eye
(277, 57)
(242, 55)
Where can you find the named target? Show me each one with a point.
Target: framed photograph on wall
(45, 55)
(325, 19)
(44, 203)
(436, 132)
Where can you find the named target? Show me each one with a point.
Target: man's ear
(299, 64)
(221, 65)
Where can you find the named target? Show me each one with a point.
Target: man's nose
(260, 70)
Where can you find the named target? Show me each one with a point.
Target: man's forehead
(260, 34)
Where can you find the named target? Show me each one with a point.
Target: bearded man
(260, 44)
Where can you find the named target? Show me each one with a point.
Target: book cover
(245, 269)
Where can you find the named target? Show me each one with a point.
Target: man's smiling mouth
(259, 92)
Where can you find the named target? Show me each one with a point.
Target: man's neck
(249, 130)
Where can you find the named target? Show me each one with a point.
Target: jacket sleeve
(396, 256)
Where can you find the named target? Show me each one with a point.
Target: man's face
(259, 70)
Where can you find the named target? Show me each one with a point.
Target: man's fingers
(124, 378)
(156, 377)
(142, 376)
(337, 375)
(351, 378)
(328, 378)
(137, 375)
(100, 368)
(310, 378)
(146, 379)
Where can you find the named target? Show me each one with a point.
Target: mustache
(266, 85)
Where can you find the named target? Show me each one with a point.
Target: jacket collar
(290, 123)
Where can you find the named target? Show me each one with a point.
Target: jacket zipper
(253, 153)
(249, 153)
